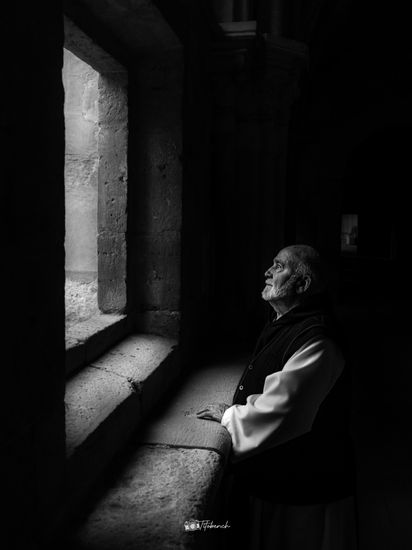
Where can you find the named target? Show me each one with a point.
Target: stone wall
(176, 220)
(34, 434)
(81, 161)
(80, 83)
(96, 176)
(155, 229)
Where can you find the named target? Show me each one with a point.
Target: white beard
(276, 293)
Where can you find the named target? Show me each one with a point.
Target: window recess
(96, 132)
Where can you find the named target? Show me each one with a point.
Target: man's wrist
(225, 415)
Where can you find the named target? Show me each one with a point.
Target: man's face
(280, 278)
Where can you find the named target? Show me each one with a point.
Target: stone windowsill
(107, 400)
(87, 340)
(172, 472)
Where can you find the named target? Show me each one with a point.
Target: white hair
(307, 264)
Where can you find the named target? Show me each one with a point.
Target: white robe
(290, 400)
(286, 409)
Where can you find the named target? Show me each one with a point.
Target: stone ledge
(148, 504)
(87, 340)
(171, 473)
(106, 402)
(177, 424)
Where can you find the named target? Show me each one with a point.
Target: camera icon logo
(192, 525)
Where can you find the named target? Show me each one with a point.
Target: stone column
(156, 152)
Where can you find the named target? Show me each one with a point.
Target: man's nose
(268, 272)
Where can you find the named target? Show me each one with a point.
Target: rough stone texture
(82, 331)
(154, 160)
(177, 423)
(96, 167)
(215, 382)
(113, 103)
(136, 357)
(160, 291)
(107, 400)
(94, 393)
(81, 162)
(87, 340)
(112, 257)
(163, 322)
(80, 301)
(159, 489)
(155, 231)
(112, 176)
(86, 466)
(90, 398)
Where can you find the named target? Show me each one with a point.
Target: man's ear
(303, 284)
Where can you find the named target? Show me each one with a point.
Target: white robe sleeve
(290, 400)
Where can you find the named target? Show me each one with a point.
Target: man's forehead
(284, 255)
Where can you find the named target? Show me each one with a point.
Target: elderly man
(288, 420)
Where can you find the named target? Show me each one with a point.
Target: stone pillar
(112, 196)
(155, 229)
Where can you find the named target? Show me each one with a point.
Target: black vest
(278, 342)
(315, 467)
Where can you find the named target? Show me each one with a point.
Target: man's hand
(214, 411)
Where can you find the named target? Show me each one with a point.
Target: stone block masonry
(81, 161)
(171, 471)
(96, 116)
